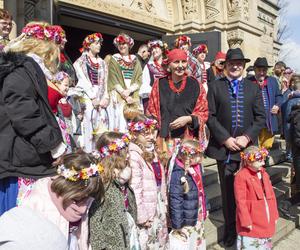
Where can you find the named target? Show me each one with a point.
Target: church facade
(251, 25)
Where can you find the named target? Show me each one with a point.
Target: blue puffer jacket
(183, 207)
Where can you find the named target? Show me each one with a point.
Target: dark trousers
(226, 176)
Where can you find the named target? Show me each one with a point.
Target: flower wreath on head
(142, 125)
(114, 147)
(261, 154)
(91, 39)
(120, 39)
(189, 151)
(181, 40)
(155, 43)
(201, 48)
(45, 32)
(83, 174)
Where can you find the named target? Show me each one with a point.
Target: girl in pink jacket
(148, 184)
(65, 199)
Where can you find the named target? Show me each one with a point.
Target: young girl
(187, 199)
(66, 198)
(256, 206)
(148, 184)
(112, 222)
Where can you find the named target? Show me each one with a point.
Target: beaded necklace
(180, 89)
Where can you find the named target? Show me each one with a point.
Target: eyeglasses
(6, 23)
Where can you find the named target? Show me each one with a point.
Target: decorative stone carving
(235, 38)
(212, 8)
(237, 8)
(29, 6)
(143, 5)
(151, 12)
(189, 8)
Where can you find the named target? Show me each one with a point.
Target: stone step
(214, 225)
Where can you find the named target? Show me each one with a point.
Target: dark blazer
(220, 117)
(275, 98)
(183, 206)
(28, 128)
(294, 121)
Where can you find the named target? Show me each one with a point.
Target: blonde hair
(47, 50)
(194, 144)
(114, 161)
(249, 150)
(131, 111)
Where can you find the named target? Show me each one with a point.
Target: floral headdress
(45, 32)
(181, 40)
(142, 125)
(155, 43)
(123, 38)
(259, 155)
(114, 147)
(201, 48)
(60, 76)
(91, 39)
(83, 174)
(189, 151)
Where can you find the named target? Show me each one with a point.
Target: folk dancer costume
(124, 73)
(256, 205)
(151, 72)
(271, 96)
(92, 81)
(194, 67)
(169, 101)
(235, 109)
(202, 48)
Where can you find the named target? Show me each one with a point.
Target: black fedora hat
(261, 62)
(236, 54)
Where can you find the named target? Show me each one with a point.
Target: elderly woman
(91, 71)
(178, 102)
(124, 81)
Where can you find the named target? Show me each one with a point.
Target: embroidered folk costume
(154, 69)
(170, 100)
(92, 83)
(125, 74)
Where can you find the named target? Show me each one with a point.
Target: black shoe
(229, 241)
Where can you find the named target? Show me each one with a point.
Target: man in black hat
(272, 100)
(236, 116)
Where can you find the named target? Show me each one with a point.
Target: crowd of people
(107, 153)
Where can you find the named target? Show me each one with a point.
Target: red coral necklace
(180, 89)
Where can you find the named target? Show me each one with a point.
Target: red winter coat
(251, 195)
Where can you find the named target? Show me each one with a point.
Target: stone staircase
(279, 172)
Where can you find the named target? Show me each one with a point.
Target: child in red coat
(256, 206)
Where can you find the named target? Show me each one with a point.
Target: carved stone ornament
(235, 38)
(151, 12)
(212, 8)
(189, 8)
(237, 8)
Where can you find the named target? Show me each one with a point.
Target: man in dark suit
(236, 116)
